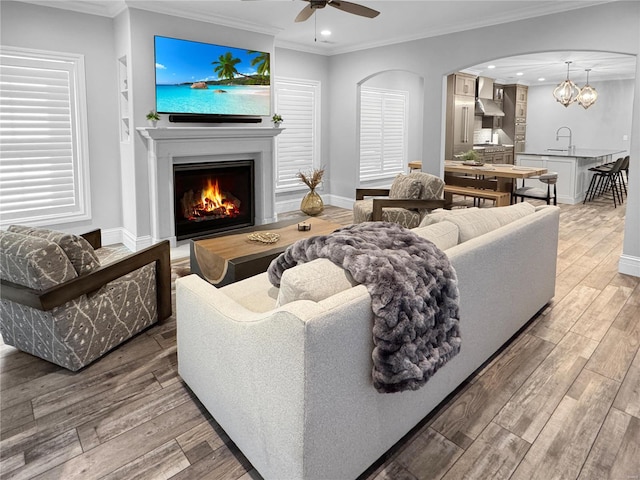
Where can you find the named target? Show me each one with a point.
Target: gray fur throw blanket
(414, 292)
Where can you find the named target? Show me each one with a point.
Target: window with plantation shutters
(298, 146)
(383, 132)
(43, 152)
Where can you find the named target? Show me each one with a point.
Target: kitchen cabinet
(493, 122)
(464, 84)
(514, 123)
(459, 114)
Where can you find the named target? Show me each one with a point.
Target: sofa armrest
(67, 291)
(380, 203)
(371, 192)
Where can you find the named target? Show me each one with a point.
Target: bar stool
(606, 178)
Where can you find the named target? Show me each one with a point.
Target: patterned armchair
(69, 301)
(408, 200)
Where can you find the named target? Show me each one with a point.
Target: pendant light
(588, 94)
(566, 92)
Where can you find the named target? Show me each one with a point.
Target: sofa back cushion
(478, 221)
(321, 278)
(79, 252)
(33, 262)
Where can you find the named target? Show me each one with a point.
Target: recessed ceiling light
(541, 79)
(325, 33)
(519, 74)
(491, 66)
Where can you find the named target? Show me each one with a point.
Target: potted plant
(312, 203)
(471, 156)
(276, 119)
(153, 117)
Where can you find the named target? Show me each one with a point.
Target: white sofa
(291, 384)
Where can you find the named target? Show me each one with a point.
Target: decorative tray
(473, 164)
(264, 237)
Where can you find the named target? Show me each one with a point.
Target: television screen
(206, 79)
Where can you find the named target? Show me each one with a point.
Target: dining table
(505, 174)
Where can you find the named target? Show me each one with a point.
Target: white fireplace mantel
(179, 145)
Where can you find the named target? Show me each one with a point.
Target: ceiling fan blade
(305, 13)
(354, 8)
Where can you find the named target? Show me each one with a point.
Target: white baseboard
(287, 206)
(111, 236)
(629, 265)
(342, 202)
(134, 243)
(335, 200)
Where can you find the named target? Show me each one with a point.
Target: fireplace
(172, 146)
(213, 197)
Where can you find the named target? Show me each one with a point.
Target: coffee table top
(212, 257)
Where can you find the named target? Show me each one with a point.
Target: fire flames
(211, 203)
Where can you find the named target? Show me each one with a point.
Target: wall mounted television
(198, 81)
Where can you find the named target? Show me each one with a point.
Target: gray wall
(30, 26)
(603, 125)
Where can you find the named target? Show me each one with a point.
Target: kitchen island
(572, 167)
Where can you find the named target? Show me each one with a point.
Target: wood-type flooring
(561, 401)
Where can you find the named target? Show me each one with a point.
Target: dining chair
(549, 178)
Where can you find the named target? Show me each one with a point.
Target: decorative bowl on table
(473, 163)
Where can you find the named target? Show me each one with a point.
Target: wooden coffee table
(227, 258)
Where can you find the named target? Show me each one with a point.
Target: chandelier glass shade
(566, 92)
(588, 94)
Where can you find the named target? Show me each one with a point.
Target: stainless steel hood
(485, 104)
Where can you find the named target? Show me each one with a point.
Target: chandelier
(566, 92)
(588, 94)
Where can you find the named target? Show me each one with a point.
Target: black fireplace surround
(213, 197)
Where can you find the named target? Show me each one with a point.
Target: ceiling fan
(340, 5)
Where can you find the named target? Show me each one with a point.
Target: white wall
(30, 26)
(603, 125)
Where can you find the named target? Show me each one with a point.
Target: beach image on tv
(201, 78)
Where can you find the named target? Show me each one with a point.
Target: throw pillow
(78, 250)
(33, 262)
(315, 280)
(405, 187)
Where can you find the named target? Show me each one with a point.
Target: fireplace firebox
(213, 197)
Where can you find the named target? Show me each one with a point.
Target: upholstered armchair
(68, 300)
(408, 200)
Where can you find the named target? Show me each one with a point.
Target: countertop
(577, 153)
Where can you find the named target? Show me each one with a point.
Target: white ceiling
(399, 21)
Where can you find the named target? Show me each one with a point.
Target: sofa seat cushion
(321, 278)
(33, 262)
(78, 250)
(478, 221)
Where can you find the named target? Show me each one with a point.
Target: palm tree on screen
(262, 61)
(226, 66)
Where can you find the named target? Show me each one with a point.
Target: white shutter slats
(383, 137)
(39, 156)
(297, 145)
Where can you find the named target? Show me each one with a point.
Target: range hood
(485, 104)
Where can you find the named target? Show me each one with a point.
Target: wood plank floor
(561, 401)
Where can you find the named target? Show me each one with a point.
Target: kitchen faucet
(570, 136)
